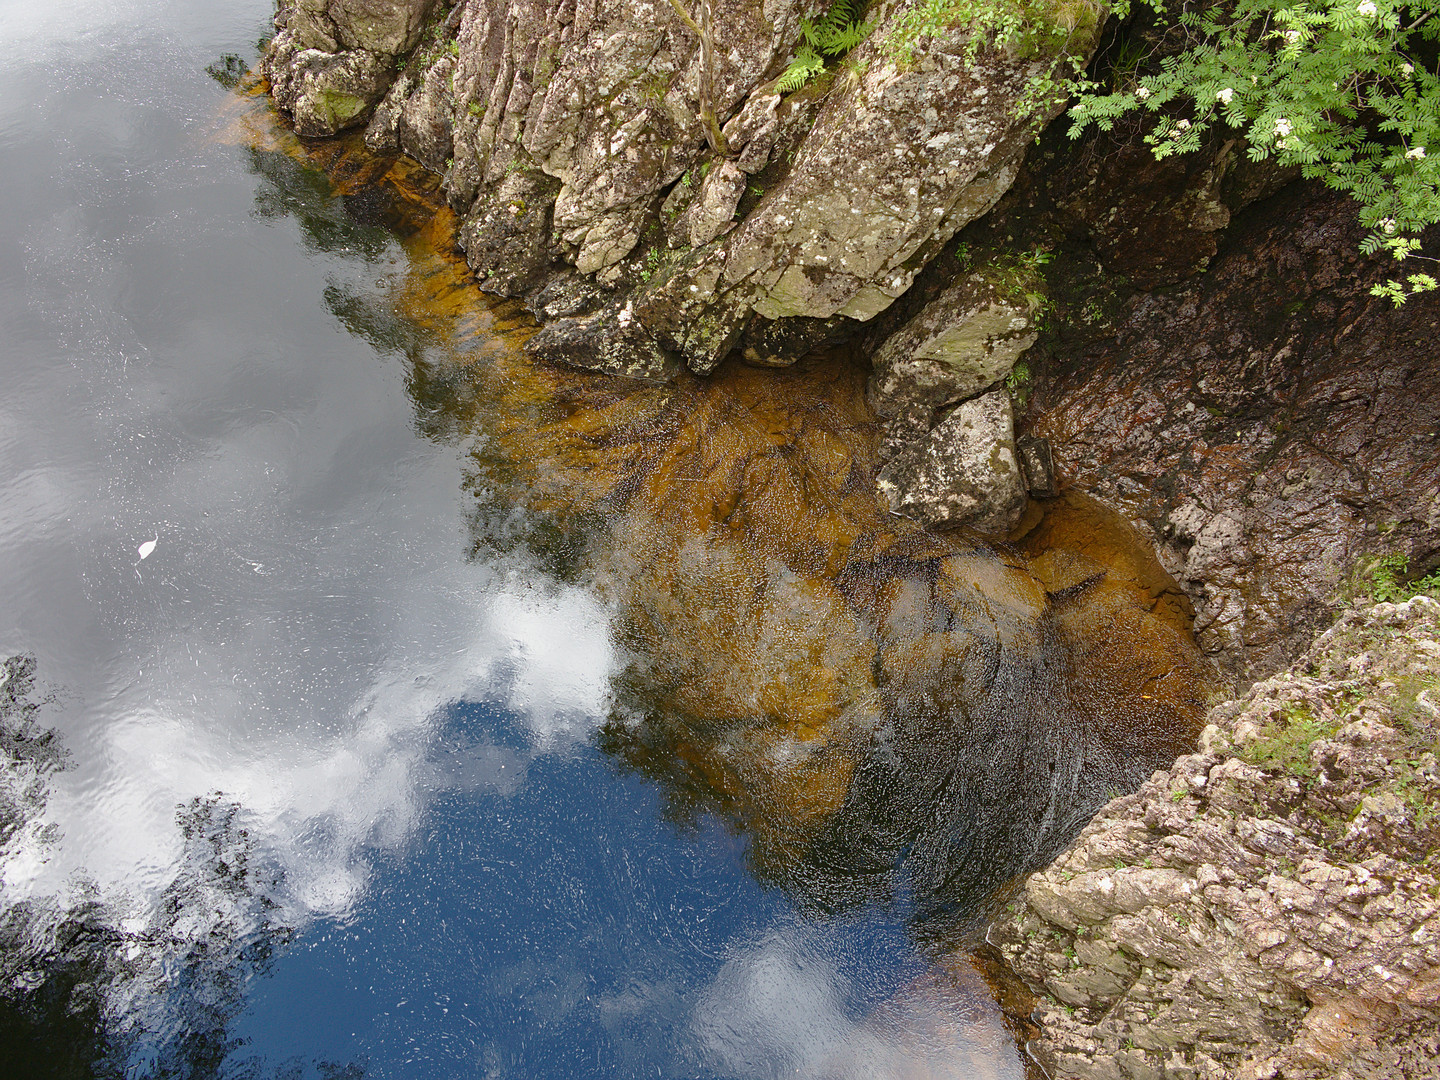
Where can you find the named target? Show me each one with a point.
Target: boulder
(964, 472)
(964, 341)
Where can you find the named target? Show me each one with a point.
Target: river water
(431, 716)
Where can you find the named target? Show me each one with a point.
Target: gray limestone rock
(964, 472)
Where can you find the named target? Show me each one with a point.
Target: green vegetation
(1020, 383)
(838, 31)
(1387, 578)
(1284, 744)
(1027, 27)
(1344, 89)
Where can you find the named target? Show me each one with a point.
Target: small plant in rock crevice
(1284, 744)
(829, 38)
(1387, 578)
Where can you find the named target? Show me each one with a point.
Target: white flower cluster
(1388, 226)
(1282, 126)
(1182, 125)
(1142, 93)
(1407, 68)
(1415, 153)
(1225, 95)
(1367, 8)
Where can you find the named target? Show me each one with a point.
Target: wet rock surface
(1266, 907)
(1266, 424)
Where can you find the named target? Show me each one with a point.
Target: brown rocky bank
(1269, 906)
(1209, 360)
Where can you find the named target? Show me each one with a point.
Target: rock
(602, 97)
(415, 117)
(711, 213)
(1038, 467)
(564, 296)
(964, 472)
(378, 26)
(611, 340)
(877, 174)
(331, 61)
(782, 342)
(899, 158)
(506, 235)
(963, 342)
(325, 92)
(1234, 919)
(751, 133)
(1268, 425)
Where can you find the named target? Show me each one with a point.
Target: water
(450, 865)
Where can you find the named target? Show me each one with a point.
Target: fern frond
(806, 65)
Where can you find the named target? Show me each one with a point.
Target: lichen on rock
(1269, 906)
(963, 472)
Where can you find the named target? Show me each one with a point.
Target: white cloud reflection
(785, 1004)
(309, 611)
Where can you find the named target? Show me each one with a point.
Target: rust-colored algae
(839, 683)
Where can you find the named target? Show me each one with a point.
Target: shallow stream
(431, 714)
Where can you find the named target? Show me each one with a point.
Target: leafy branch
(1335, 87)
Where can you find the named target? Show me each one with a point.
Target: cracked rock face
(604, 99)
(1267, 425)
(1270, 906)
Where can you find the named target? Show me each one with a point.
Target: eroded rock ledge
(1270, 906)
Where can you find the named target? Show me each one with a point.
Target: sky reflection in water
(479, 890)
